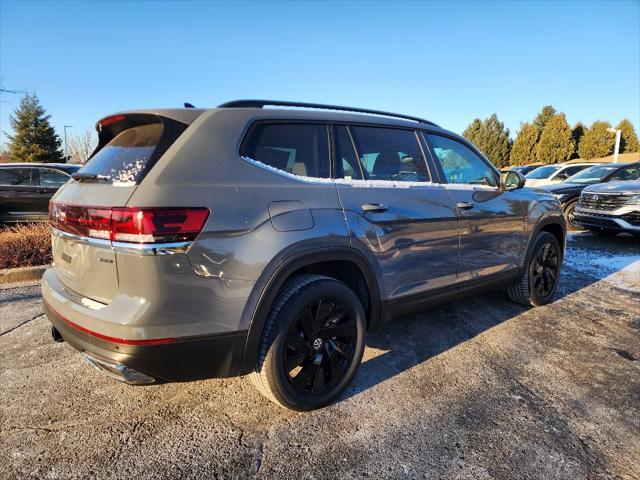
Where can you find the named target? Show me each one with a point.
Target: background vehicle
(569, 191)
(26, 188)
(551, 174)
(609, 209)
(267, 241)
(524, 169)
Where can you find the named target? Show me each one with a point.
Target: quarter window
(390, 154)
(300, 149)
(459, 163)
(52, 178)
(15, 176)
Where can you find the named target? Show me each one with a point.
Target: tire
(568, 216)
(312, 343)
(536, 285)
(603, 232)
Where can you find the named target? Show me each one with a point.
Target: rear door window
(390, 154)
(16, 177)
(629, 173)
(126, 156)
(50, 178)
(299, 149)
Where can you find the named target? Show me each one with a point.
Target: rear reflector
(122, 341)
(131, 225)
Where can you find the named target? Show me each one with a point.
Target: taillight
(157, 225)
(132, 225)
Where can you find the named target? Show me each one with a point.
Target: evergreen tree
(597, 141)
(34, 139)
(540, 120)
(523, 151)
(556, 144)
(577, 132)
(492, 138)
(472, 132)
(628, 137)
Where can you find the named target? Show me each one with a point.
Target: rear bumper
(184, 359)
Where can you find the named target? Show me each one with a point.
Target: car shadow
(410, 341)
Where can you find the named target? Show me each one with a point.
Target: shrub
(556, 143)
(25, 245)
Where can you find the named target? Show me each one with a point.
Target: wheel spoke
(335, 367)
(341, 329)
(337, 315)
(307, 373)
(293, 360)
(318, 381)
(295, 342)
(306, 322)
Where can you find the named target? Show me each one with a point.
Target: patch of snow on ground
(622, 271)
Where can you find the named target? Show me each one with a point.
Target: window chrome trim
(124, 247)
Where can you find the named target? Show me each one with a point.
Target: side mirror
(562, 176)
(511, 180)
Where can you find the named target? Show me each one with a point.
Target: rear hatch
(80, 213)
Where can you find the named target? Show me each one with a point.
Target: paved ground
(480, 389)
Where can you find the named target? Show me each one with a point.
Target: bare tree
(81, 146)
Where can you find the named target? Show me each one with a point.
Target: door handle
(374, 207)
(464, 205)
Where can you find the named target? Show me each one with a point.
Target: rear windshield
(125, 157)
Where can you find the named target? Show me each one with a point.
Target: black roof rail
(279, 103)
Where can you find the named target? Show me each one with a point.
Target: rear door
(18, 194)
(406, 225)
(491, 222)
(48, 181)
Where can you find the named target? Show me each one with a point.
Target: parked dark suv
(26, 188)
(246, 240)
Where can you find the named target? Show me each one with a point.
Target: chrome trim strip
(151, 249)
(124, 247)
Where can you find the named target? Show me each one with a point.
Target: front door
(406, 225)
(492, 222)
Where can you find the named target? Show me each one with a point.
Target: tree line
(548, 138)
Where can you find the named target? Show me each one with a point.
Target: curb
(21, 274)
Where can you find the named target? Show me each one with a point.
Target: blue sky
(449, 62)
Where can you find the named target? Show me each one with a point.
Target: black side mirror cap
(511, 180)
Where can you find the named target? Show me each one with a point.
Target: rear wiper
(89, 176)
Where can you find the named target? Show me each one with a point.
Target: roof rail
(279, 103)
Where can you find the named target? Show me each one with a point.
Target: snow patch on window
(366, 183)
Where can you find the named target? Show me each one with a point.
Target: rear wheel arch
(342, 263)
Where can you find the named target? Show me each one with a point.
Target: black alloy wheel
(320, 345)
(545, 269)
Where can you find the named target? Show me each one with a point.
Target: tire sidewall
(320, 289)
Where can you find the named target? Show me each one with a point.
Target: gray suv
(244, 240)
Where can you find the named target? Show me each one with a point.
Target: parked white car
(557, 173)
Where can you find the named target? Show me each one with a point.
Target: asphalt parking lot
(478, 389)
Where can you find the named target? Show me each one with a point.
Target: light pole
(66, 154)
(616, 149)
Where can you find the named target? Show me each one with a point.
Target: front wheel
(569, 216)
(539, 279)
(312, 343)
